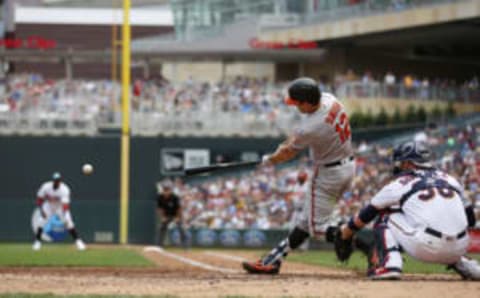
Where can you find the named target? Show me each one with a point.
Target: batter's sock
(277, 254)
(294, 240)
(74, 233)
(38, 236)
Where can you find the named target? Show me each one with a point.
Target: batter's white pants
(326, 187)
(421, 245)
(50, 210)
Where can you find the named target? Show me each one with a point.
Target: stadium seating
(240, 106)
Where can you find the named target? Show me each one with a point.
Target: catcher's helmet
(303, 90)
(416, 152)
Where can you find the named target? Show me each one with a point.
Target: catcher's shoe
(382, 273)
(258, 268)
(468, 269)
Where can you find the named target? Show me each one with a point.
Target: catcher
(423, 212)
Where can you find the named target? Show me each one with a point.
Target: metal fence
(149, 124)
(46, 124)
(400, 91)
(211, 124)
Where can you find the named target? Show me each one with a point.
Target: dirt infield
(213, 274)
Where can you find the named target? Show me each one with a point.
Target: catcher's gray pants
(327, 186)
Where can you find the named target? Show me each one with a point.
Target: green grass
(358, 262)
(67, 255)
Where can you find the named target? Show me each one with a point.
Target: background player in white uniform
(53, 198)
(423, 211)
(326, 132)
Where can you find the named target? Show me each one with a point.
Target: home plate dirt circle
(207, 273)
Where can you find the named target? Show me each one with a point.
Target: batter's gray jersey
(327, 134)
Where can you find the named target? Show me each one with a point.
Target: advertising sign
(173, 161)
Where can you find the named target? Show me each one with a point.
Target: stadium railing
(381, 90)
(210, 123)
(46, 123)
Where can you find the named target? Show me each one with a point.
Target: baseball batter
(326, 132)
(53, 198)
(423, 211)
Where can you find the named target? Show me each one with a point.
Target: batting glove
(266, 160)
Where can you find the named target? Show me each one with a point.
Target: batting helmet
(303, 90)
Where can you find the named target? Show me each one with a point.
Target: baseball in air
(87, 169)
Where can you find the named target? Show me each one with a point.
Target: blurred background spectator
(265, 198)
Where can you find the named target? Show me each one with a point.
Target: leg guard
(364, 241)
(385, 254)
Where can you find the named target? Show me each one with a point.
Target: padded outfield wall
(28, 161)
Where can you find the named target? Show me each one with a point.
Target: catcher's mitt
(343, 248)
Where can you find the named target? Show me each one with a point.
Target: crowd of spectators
(31, 93)
(410, 86)
(263, 198)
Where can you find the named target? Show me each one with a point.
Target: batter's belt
(338, 162)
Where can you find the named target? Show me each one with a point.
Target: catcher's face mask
(417, 153)
(397, 168)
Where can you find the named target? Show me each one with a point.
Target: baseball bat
(220, 166)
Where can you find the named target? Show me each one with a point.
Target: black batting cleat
(258, 268)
